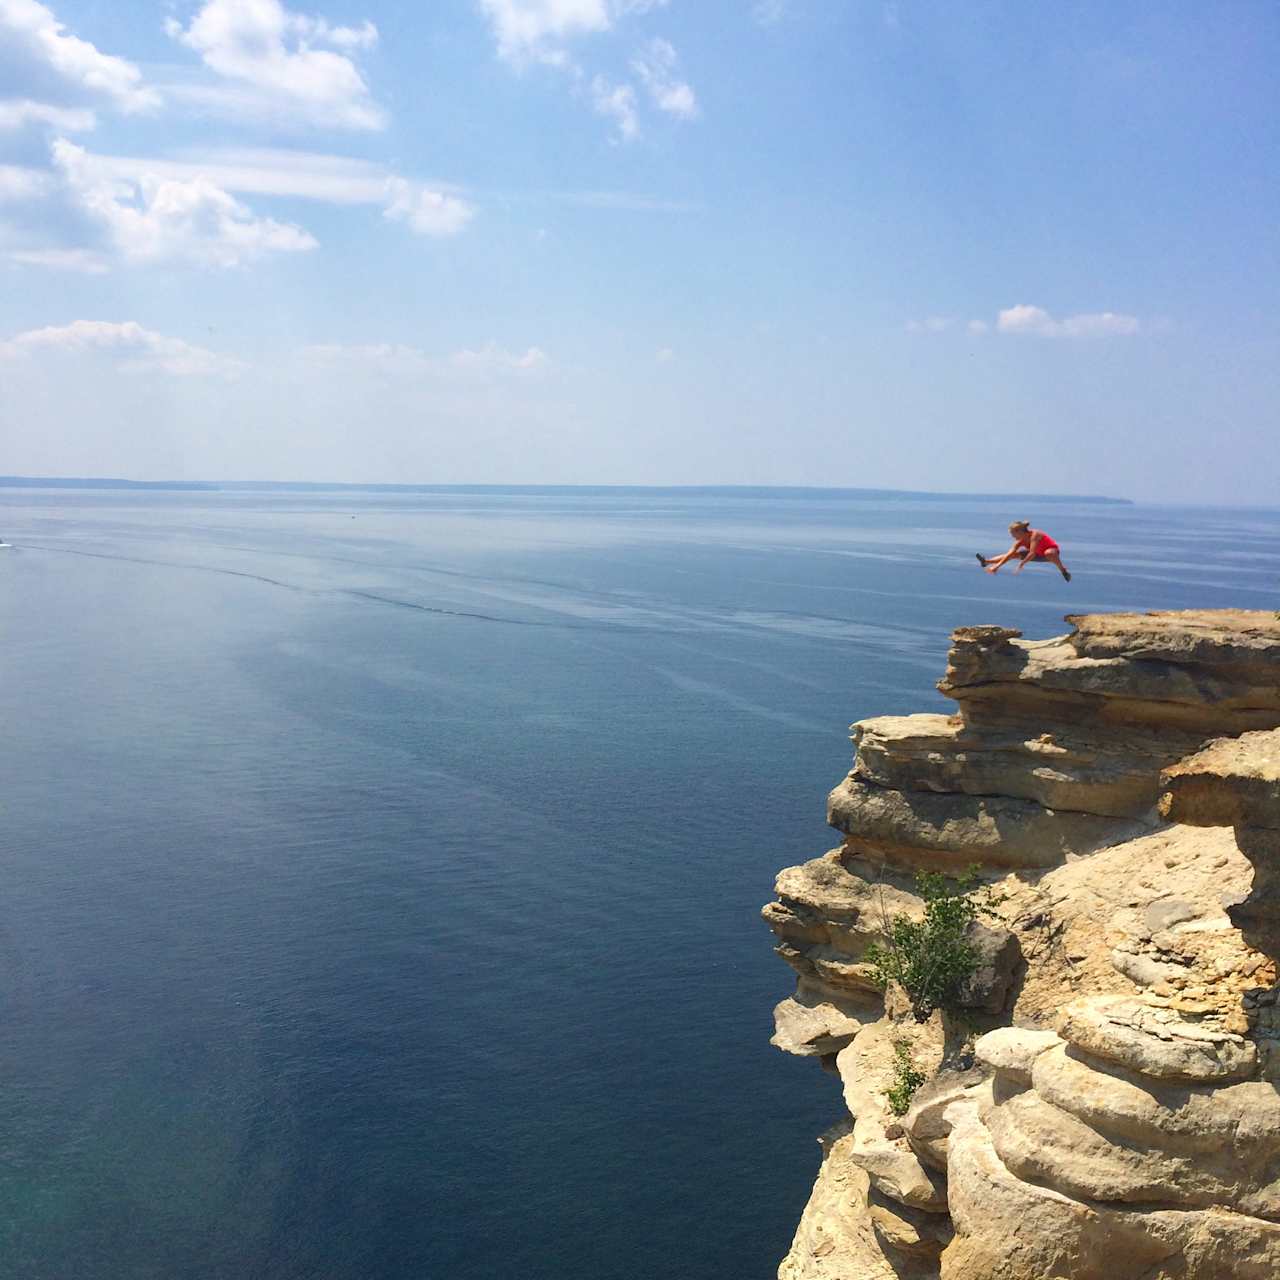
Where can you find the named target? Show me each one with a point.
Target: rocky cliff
(1103, 1095)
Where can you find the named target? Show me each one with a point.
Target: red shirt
(1046, 543)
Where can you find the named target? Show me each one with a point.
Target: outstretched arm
(997, 561)
(1031, 551)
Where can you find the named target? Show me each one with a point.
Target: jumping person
(1028, 544)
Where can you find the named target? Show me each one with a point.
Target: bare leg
(1056, 560)
(993, 566)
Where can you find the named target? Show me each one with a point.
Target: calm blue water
(381, 872)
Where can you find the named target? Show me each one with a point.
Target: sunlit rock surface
(1106, 1107)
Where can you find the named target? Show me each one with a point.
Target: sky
(963, 247)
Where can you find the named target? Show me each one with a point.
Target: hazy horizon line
(213, 486)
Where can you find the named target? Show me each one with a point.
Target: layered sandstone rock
(1120, 786)
(1008, 1228)
(1071, 769)
(1232, 782)
(1236, 783)
(1206, 672)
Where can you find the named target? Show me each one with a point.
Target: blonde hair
(1019, 524)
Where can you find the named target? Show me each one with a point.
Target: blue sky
(983, 246)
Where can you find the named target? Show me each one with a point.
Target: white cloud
(767, 12)
(1100, 324)
(17, 113)
(931, 324)
(154, 219)
(397, 359)
(383, 357)
(141, 350)
(618, 103)
(428, 212)
(20, 183)
(541, 31)
(53, 77)
(492, 358)
(85, 260)
(534, 30)
(436, 209)
(271, 171)
(1025, 319)
(655, 66)
(276, 69)
(429, 209)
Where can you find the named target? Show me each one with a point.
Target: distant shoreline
(691, 490)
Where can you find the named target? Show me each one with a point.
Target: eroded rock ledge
(1109, 1104)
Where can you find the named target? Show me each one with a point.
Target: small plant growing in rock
(932, 959)
(906, 1079)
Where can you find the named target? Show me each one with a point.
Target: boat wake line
(354, 592)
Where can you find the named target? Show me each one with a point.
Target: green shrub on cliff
(906, 1079)
(932, 959)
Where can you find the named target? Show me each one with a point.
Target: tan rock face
(1232, 782)
(1011, 1229)
(835, 1238)
(1084, 769)
(926, 1124)
(827, 913)
(1184, 1119)
(1049, 1146)
(1086, 1143)
(1203, 671)
(812, 1023)
(952, 831)
(1236, 783)
(903, 1232)
(1011, 1052)
(1119, 787)
(1240, 642)
(880, 1145)
(1155, 1042)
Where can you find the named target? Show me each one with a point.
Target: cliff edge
(1101, 1098)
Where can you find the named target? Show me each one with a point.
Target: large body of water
(381, 873)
